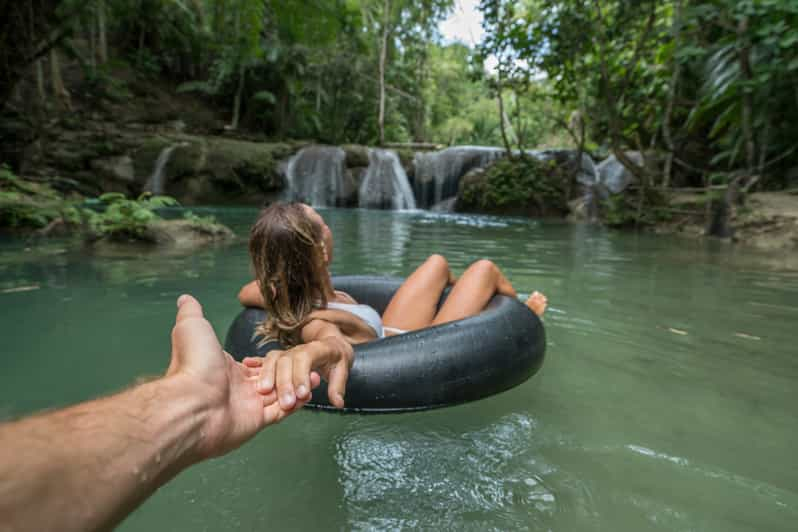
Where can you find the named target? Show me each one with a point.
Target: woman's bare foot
(537, 302)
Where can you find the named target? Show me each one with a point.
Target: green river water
(668, 399)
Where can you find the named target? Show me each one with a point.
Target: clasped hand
(290, 375)
(239, 399)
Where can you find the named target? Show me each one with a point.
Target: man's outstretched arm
(88, 466)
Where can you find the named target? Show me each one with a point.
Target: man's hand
(86, 467)
(289, 373)
(237, 411)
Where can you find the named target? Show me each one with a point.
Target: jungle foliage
(27, 205)
(711, 84)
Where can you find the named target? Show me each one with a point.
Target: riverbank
(767, 221)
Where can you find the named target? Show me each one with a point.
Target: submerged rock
(168, 236)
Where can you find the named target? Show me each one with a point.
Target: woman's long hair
(287, 253)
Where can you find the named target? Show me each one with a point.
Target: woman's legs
(473, 290)
(415, 303)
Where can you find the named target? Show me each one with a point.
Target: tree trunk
(318, 93)
(60, 92)
(520, 132)
(744, 55)
(419, 116)
(502, 116)
(92, 38)
(238, 96)
(102, 48)
(610, 99)
(577, 123)
(40, 81)
(666, 121)
(240, 89)
(383, 59)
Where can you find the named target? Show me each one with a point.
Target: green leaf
(111, 197)
(264, 96)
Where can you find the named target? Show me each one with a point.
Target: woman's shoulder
(343, 297)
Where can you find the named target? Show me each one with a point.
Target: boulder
(473, 185)
(118, 168)
(615, 176)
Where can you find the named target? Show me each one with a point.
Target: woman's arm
(250, 295)
(325, 350)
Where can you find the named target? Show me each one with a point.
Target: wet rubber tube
(439, 366)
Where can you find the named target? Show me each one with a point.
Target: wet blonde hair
(287, 253)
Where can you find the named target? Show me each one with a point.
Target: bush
(121, 218)
(524, 183)
(24, 204)
(621, 210)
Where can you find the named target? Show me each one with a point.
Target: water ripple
(466, 480)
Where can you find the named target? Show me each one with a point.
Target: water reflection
(385, 239)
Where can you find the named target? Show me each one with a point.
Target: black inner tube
(438, 366)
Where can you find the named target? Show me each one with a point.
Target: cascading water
(155, 183)
(316, 175)
(385, 183)
(437, 174)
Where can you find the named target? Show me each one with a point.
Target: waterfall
(316, 175)
(156, 180)
(589, 177)
(438, 174)
(385, 183)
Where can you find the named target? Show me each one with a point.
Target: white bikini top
(364, 312)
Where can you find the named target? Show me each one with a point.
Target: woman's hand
(291, 373)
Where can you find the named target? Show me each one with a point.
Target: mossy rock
(521, 186)
(356, 155)
(247, 164)
(27, 205)
(164, 236)
(147, 153)
(220, 170)
(68, 160)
